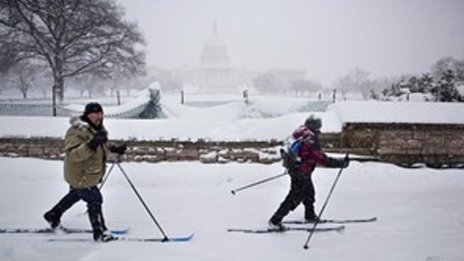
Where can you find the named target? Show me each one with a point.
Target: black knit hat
(92, 107)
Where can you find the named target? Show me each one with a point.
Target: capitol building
(216, 74)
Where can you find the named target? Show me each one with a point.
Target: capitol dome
(214, 52)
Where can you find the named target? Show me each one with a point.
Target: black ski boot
(99, 236)
(99, 228)
(53, 219)
(310, 216)
(276, 224)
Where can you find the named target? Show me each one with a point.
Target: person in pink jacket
(302, 158)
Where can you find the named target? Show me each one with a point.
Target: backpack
(295, 147)
(290, 158)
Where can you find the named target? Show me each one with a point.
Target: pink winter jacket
(311, 153)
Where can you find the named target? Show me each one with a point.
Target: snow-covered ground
(420, 213)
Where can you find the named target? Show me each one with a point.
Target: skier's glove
(98, 139)
(120, 150)
(337, 162)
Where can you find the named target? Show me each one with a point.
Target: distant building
(216, 74)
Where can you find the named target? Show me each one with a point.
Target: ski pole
(257, 183)
(143, 202)
(306, 245)
(107, 175)
(116, 159)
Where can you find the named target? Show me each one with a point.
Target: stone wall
(432, 144)
(173, 150)
(154, 151)
(404, 144)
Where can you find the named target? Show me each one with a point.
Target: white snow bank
(135, 104)
(234, 121)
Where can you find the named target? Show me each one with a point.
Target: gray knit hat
(313, 123)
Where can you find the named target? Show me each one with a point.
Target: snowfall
(420, 211)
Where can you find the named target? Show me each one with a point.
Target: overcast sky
(326, 38)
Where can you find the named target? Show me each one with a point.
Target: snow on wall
(399, 112)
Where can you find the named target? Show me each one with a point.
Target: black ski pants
(301, 191)
(91, 196)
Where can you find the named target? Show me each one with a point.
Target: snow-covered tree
(416, 84)
(396, 89)
(445, 90)
(71, 37)
(449, 63)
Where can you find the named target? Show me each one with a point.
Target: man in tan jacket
(86, 148)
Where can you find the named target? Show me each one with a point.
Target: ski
(127, 239)
(334, 221)
(64, 230)
(277, 230)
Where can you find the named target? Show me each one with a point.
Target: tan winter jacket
(83, 167)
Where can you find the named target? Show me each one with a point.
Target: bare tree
(87, 83)
(7, 57)
(356, 80)
(23, 76)
(72, 37)
(300, 87)
(267, 83)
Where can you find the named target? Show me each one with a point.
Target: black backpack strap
(288, 160)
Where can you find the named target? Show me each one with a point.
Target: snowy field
(420, 213)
